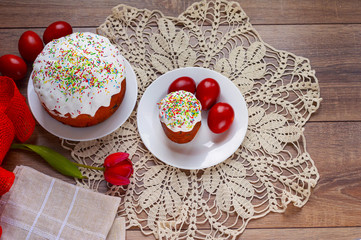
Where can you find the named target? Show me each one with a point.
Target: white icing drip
(182, 128)
(90, 61)
(188, 124)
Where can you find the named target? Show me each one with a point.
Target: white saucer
(88, 133)
(206, 149)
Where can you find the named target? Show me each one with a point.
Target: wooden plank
(9, 38)
(335, 201)
(340, 101)
(41, 13)
(332, 49)
(282, 234)
(28, 13)
(335, 54)
(303, 233)
(302, 12)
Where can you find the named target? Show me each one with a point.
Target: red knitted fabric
(6, 180)
(16, 110)
(7, 134)
(6, 92)
(13, 112)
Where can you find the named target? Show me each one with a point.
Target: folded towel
(42, 207)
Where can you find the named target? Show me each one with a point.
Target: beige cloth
(117, 232)
(42, 207)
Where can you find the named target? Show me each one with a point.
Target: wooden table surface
(326, 32)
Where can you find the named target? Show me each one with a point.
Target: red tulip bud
(118, 168)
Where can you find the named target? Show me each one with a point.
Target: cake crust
(181, 137)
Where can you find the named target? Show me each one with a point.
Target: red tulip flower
(118, 168)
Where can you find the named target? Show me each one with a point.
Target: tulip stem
(86, 166)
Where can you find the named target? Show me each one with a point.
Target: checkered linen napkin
(42, 207)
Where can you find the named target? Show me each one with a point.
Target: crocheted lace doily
(271, 168)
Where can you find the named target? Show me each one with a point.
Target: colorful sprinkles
(76, 69)
(73, 68)
(179, 110)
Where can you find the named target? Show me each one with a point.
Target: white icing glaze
(180, 111)
(78, 74)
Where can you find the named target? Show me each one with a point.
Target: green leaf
(55, 159)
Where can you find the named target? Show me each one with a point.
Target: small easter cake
(180, 116)
(80, 79)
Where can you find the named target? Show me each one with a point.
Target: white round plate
(88, 133)
(206, 149)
